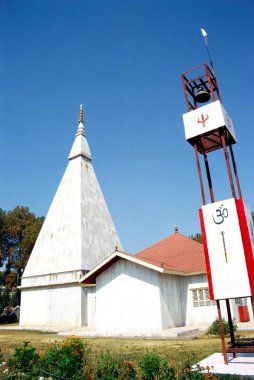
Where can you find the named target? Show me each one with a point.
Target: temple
(78, 274)
(78, 232)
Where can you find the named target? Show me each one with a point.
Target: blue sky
(122, 59)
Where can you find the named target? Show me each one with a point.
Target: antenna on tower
(204, 34)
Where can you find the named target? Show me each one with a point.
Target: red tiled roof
(176, 252)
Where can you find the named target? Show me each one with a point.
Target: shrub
(214, 329)
(153, 367)
(64, 360)
(150, 365)
(24, 360)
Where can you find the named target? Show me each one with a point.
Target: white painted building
(161, 287)
(152, 291)
(73, 279)
(78, 232)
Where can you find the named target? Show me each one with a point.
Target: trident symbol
(203, 119)
(224, 245)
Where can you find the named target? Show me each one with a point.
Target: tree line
(19, 229)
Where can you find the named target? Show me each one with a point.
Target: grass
(176, 351)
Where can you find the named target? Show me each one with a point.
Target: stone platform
(242, 365)
(162, 334)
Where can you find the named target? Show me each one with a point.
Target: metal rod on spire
(204, 34)
(81, 119)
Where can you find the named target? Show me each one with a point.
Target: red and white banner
(228, 238)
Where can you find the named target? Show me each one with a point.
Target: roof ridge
(178, 234)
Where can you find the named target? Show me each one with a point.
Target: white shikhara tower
(77, 234)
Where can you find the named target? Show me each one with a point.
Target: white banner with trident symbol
(207, 118)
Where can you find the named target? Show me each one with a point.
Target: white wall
(91, 306)
(63, 306)
(171, 301)
(205, 315)
(200, 316)
(128, 298)
(177, 305)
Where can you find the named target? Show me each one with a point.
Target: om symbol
(221, 215)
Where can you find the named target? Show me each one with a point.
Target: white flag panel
(207, 118)
(225, 250)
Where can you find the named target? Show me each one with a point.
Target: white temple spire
(80, 146)
(77, 234)
(81, 128)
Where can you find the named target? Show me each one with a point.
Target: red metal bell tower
(226, 225)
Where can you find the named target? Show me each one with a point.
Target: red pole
(228, 165)
(235, 171)
(185, 93)
(210, 82)
(230, 323)
(252, 304)
(200, 175)
(223, 344)
(209, 178)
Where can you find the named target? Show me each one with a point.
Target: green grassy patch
(174, 350)
(118, 356)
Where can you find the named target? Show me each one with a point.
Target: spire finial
(81, 129)
(81, 119)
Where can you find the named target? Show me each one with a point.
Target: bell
(202, 95)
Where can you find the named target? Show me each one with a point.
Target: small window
(195, 298)
(238, 301)
(201, 297)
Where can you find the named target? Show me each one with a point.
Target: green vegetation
(24, 360)
(64, 359)
(214, 329)
(7, 298)
(105, 359)
(19, 229)
(153, 367)
(108, 367)
(197, 238)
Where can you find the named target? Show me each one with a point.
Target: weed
(107, 367)
(110, 367)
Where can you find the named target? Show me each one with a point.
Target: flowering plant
(64, 360)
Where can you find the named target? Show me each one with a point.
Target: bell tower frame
(208, 128)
